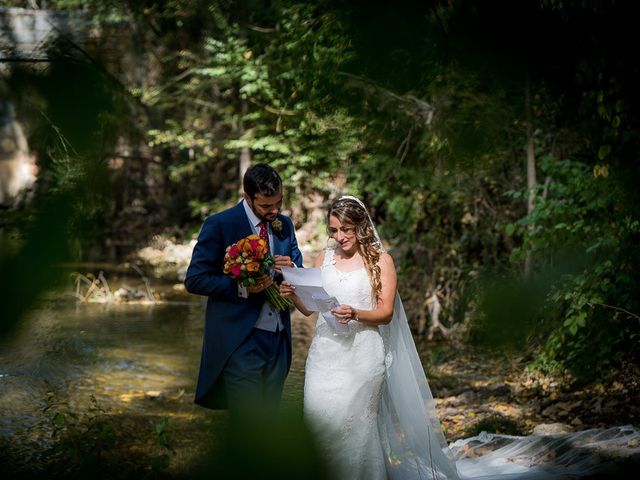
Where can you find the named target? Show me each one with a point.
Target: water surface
(139, 362)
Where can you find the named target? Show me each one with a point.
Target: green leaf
(211, 71)
(604, 151)
(509, 229)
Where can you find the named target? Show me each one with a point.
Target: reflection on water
(115, 352)
(135, 360)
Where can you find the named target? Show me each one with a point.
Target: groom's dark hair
(261, 178)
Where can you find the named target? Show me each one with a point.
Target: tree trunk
(531, 169)
(245, 152)
(245, 163)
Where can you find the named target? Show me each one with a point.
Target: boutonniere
(276, 225)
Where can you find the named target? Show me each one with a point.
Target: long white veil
(408, 422)
(415, 447)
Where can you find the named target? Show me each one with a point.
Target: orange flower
(263, 247)
(253, 267)
(246, 247)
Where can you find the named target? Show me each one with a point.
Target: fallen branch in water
(98, 290)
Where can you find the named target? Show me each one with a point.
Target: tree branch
(615, 308)
(414, 105)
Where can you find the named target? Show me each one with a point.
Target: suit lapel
(244, 227)
(280, 241)
(278, 247)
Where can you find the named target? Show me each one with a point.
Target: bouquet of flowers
(250, 258)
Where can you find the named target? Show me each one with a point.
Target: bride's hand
(345, 313)
(287, 290)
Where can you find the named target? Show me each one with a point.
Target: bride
(366, 396)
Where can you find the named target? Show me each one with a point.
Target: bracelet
(356, 316)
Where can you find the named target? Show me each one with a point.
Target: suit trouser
(255, 373)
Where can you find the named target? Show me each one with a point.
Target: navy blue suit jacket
(229, 318)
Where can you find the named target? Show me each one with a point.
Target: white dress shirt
(269, 318)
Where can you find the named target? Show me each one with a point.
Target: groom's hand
(262, 282)
(282, 261)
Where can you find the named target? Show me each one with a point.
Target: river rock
(552, 429)
(154, 394)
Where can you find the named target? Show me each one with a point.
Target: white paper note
(308, 283)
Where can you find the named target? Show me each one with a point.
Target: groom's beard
(264, 218)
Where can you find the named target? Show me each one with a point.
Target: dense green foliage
(424, 109)
(586, 213)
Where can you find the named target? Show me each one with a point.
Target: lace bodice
(350, 288)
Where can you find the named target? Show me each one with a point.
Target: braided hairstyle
(350, 212)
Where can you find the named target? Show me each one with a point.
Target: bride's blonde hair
(350, 212)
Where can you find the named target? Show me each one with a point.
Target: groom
(246, 353)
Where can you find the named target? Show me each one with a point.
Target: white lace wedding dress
(368, 402)
(343, 382)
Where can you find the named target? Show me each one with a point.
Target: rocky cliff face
(24, 37)
(18, 168)
(25, 33)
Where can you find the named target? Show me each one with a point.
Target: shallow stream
(139, 362)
